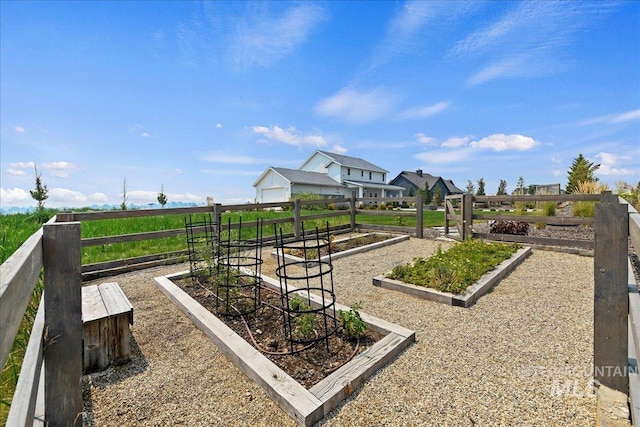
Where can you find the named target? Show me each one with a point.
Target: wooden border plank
(18, 277)
(23, 404)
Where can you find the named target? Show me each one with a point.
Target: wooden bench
(106, 315)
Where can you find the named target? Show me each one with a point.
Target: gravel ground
(520, 356)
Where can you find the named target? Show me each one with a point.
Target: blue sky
(201, 97)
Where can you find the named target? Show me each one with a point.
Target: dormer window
(348, 171)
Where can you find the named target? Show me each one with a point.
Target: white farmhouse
(327, 174)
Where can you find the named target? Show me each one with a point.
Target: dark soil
(264, 330)
(344, 245)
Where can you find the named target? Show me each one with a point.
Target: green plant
(305, 319)
(400, 220)
(581, 170)
(41, 192)
(549, 208)
(352, 322)
(456, 269)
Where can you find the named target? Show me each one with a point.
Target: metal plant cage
(238, 275)
(304, 267)
(202, 245)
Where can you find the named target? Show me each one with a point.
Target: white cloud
(555, 159)
(65, 196)
(22, 165)
(609, 164)
(455, 142)
(262, 39)
(613, 118)
(219, 125)
(142, 197)
(424, 139)
(425, 112)
(9, 197)
(557, 172)
(19, 129)
(59, 169)
(220, 157)
(357, 106)
(290, 136)
(338, 149)
(15, 172)
(502, 142)
(452, 156)
(98, 198)
(145, 135)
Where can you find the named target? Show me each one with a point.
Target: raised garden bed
(471, 294)
(306, 405)
(352, 245)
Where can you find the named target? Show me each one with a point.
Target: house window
(376, 195)
(361, 173)
(348, 171)
(382, 177)
(369, 175)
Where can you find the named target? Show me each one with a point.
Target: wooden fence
(51, 373)
(460, 211)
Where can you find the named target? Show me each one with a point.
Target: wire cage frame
(238, 276)
(306, 321)
(202, 245)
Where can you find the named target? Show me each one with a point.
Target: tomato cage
(202, 245)
(304, 268)
(238, 274)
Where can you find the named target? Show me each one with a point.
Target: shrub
(352, 322)
(509, 227)
(587, 209)
(549, 208)
(331, 207)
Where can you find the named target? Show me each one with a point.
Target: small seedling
(352, 322)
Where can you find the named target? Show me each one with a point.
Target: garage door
(272, 195)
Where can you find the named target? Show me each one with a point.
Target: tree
(519, 187)
(411, 192)
(581, 170)
(480, 191)
(437, 196)
(123, 205)
(41, 192)
(502, 188)
(470, 187)
(427, 194)
(162, 197)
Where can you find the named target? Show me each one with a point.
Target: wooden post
(446, 216)
(352, 210)
(297, 221)
(467, 216)
(419, 217)
(611, 302)
(63, 324)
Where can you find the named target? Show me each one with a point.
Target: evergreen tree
(581, 170)
(480, 191)
(427, 194)
(502, 188)
(41, 192)
(123, 205)
(437, 196)
(470, 187)
(519, 187)
(162, 197)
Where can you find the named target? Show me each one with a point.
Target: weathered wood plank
(92, 304)
(611, 299)
(24, 399)
(133, 237)
(385, 213)
(18, 277)
(63, 324)
(115, 300)
(88, 268)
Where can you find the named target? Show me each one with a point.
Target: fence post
(297, 221)
(467, 216)
(446, 216)
(419, 217)
(352, 209)
(63, 324)
(611, 301)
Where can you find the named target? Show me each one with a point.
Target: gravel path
(520, 356)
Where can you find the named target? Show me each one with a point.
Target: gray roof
(296, 176)
(452, 187)
(419, 181)
(352, 162)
